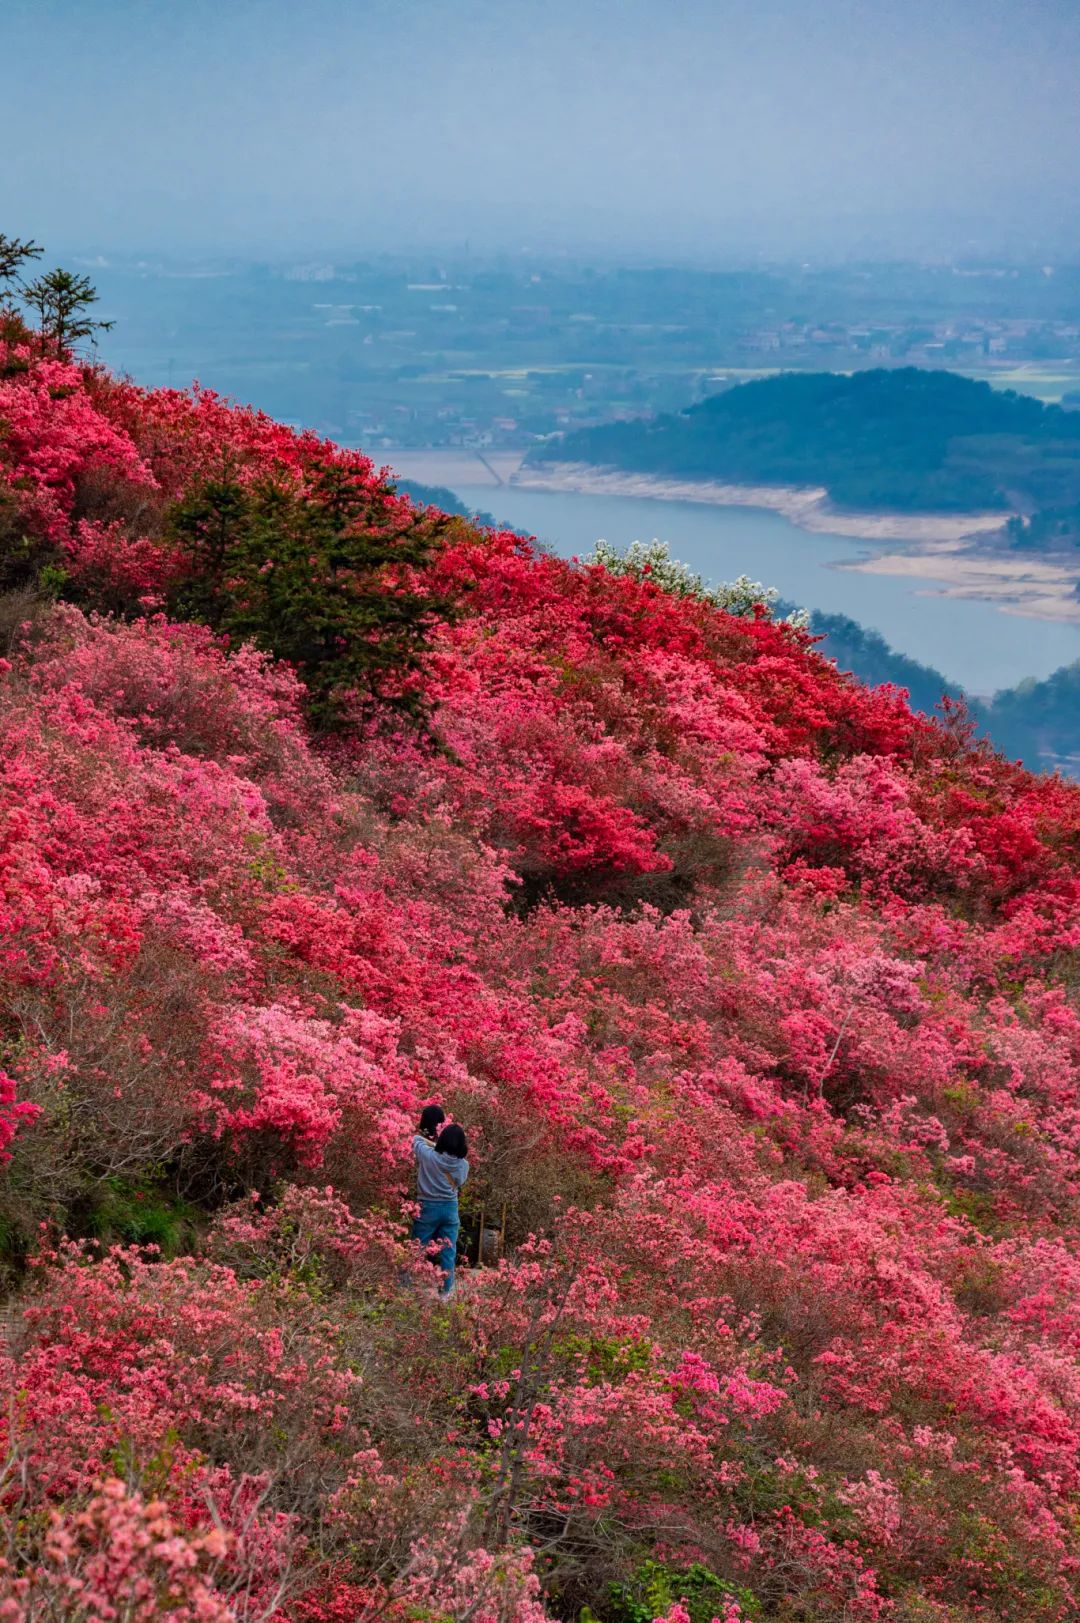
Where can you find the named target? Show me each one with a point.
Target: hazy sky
(662, 127)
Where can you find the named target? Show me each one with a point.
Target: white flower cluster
(651, 560)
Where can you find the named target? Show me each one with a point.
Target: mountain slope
(1037, 723)
(754, 992)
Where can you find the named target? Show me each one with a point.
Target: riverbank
(808, 507)
(1038, 588)
(453, 466)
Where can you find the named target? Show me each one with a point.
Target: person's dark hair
(431, 1119)
(451, 1141)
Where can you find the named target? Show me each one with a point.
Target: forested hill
(754, 992)
(907, 440)
(1039, 721)
(1035, 722)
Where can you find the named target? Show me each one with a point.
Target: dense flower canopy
(755, 992)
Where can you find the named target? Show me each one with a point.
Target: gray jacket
(438, 1177)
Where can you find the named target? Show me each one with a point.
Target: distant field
(1047, 381)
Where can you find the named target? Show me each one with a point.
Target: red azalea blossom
(754, 991)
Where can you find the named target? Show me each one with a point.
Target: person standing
(441, 1171)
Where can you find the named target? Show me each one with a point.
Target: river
(975, 644)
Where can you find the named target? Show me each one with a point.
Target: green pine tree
(61, 300)
(326, 577)
(14, 254)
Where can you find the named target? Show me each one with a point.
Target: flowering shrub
(12, 1112)
(755, 992)
(54, 438)
(118, 1557)
(653, 561)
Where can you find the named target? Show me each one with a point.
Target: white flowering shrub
(652, 560)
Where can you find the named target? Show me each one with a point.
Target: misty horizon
(689, 131)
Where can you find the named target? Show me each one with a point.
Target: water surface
(976, 645)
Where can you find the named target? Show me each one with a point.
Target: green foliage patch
(328, 576)
(654, 1588)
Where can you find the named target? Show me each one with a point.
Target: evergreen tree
(61, 299)
(14, 254)
(328, 577)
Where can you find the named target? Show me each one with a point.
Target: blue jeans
(439, 1220)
